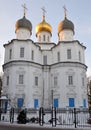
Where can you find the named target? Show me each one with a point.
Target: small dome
(43, 26)
(23, 23)
(65, 24)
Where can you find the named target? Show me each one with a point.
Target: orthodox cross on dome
(65, 10)
(44, 11)
(25, 8)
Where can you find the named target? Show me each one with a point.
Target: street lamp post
(0, 110)
(52, 98)
(53, 114)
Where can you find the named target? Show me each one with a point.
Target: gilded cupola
(43, 26)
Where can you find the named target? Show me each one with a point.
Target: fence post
(0, 113)
(90, 112)
(12, 115)
(75, 117)
(41, 116)
(54, 116)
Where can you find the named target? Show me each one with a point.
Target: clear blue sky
(78, 11)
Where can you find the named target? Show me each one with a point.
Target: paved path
(7, 126)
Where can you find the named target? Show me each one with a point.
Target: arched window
(45, 59)
(39, 38)
(32, 54)
(10, 54)
(43, 37)
(79, 56)
(48, 38)
(58, 56)
(22, 52)
(68, 53)
(70, 80)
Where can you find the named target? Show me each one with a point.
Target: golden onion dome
(43, 26)
(65, 24)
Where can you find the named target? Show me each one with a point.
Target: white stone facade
(45, 73)
(66, 35)
(32, 68)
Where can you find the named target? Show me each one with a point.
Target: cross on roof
(65, 10)
(44, 11)
(25, 8)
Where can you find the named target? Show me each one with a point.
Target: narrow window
(79, 56)
(58, 56)
(7, 80)
(70, 80)
(21, 79)
(32, 55)
(36, 81)
(39, 38)
(10, 54)
(22, 52)
(69, 54)
(43, 37)
(82, 81)
(48, 38)
(55, 81)
(45, 60)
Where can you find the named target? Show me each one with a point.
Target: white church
(43, 73)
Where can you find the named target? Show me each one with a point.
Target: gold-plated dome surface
(65, 24)
(43, 26)
(23, 23)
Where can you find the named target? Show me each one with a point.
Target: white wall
(23, 34)
(66, 35)
(31, 68)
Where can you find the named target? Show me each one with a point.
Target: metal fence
(56, 117)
